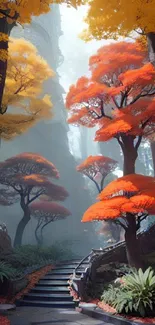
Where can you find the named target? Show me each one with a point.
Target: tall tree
(23, 89)
(114, 99)
(114, 19)
(45, 213)
(97, 168)
(28, 175)
(131, 199)
(117, 100)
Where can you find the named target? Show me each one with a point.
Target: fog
(56, 37)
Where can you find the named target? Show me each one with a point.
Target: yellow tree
(113, 18)
(20, 11)
(26, 72)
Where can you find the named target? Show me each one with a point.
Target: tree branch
(140, 219)
(36, 196)
(120, 143)
(93, 180)
(138, 142)
(121, 224)
(102, 111)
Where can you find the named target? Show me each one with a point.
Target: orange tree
(29, 176)
(45, 213)
(118, 98)
(130, 198)
(97, 168)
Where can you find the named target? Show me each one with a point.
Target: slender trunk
(42, 229)
(151, 47)
(6, 29)
(22, 224)
(36, 234)
(132, 247)
(153, 154)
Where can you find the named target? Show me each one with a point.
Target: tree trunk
(23, 222)
(153, 154)
(151, 47)
(37, 237)
(6, 29)
(133, 251)
(132, 245)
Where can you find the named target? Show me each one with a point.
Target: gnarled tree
(45, 213)
(28, 175)
(130, 198)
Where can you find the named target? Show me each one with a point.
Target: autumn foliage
(26, 73)
(45, 213)
(97, 168)
(130, 198)
(113, 19)
(28, 176)
(117, 98)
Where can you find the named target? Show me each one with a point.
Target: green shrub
(135, 296)
(8, 272)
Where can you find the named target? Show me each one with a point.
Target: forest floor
(48, 316)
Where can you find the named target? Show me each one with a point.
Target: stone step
(48, 296)
(51, 304)
(61, 271)
(44, 289)
(57, 277)
(53, 283)
(70, 266)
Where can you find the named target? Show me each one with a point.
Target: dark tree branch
(138, 142)
(121, 224)
(120, 143)
(36, 196)
(115, 102)
(140, 219)
(93, 180)
(102, 182)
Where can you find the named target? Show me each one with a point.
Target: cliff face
(50, 140)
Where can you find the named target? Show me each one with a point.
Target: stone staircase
(52, 290)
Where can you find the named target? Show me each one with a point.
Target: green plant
(110, 295)
(7, 272)
(136, 295)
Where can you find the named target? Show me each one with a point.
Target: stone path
(47, 316)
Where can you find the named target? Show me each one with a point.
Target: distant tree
(23, 89)
(45, 213)
(96, 168)
(28, 175)
(130, 198)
